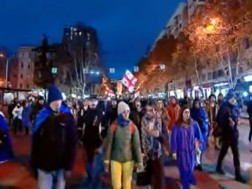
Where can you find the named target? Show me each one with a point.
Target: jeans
(46, 179)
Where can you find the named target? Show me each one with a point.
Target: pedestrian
(36, 107)
(26, 116)
(17, 116)
(227, 118)
(185, 144)
(199, 115)
(10, 109)
(53, 142)
(152, 147)
(173, 111)
(212, 110)
(5, 141)
(94, 127)
(122, 149)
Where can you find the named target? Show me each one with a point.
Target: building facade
(22, 70)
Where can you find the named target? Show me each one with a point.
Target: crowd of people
(130, 135)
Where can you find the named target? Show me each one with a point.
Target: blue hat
(230, 94)
(53, 94)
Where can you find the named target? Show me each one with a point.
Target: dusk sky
(125, 28)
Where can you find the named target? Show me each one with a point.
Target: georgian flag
(137, 93)
(129, 81)
(109, 92)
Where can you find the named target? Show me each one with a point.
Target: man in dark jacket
(39, 104)
(54, 142)
(94, 131)
(227, 118)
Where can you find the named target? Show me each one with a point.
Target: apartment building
(22, 70)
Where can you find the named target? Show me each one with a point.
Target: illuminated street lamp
(7, 67)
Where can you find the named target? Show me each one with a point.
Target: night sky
(125, 28)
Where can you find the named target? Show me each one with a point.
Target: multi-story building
(176, 23)
(82, 45)
(22, 69)
(193, 5)
(178, 20)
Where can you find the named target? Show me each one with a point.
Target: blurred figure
(39, 104)
(5, 141)
(94, 131)
(199, 114)
(10, 109)
(249, 110)
(112, 114)
(17, 116)
(212, 110)
(122, 149)
(185, 142)
(152, 148)
(53, 142)
(220, 99)
(227, 119)
(164, 116)
(26, 116)
(173, 111)
(136, 115)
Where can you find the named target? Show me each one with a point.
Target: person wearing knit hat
(227, 119)
(54, 140)
(122, 149)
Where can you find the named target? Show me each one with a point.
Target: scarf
(122, 122)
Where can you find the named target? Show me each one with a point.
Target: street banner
(129, 81)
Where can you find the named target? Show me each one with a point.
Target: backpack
(132, 127)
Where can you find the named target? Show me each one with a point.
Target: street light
(7, 67)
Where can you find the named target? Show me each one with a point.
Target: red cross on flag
(109, 92)
(129, 81)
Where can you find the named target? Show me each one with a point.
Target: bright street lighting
(2, 55)
(213, 21)
(98, 73)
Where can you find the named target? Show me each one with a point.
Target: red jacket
(173, 111)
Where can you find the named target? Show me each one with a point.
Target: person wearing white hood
(17, 115)
(122, 149)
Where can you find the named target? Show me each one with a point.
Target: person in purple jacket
(185, 136)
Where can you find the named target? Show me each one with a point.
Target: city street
(16, 174)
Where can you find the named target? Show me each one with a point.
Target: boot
(219, 170)
(238, 176)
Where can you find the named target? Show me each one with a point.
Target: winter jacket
(173, 111)
(226, 112)
(6, 148)
(201, 117)
(41, 156)
(93, 122)
(17, 112)
(26, 116)
(122, 145)
(151, 144)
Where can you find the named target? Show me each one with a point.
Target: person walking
(53, 142)
(185, 144)
(122, 149)
(227, 119)
(6, 152)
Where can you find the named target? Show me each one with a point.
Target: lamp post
(6, 67)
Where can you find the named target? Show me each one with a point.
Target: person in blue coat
(5, 141)
(199, 114)
(184, 137)
(26, 116)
